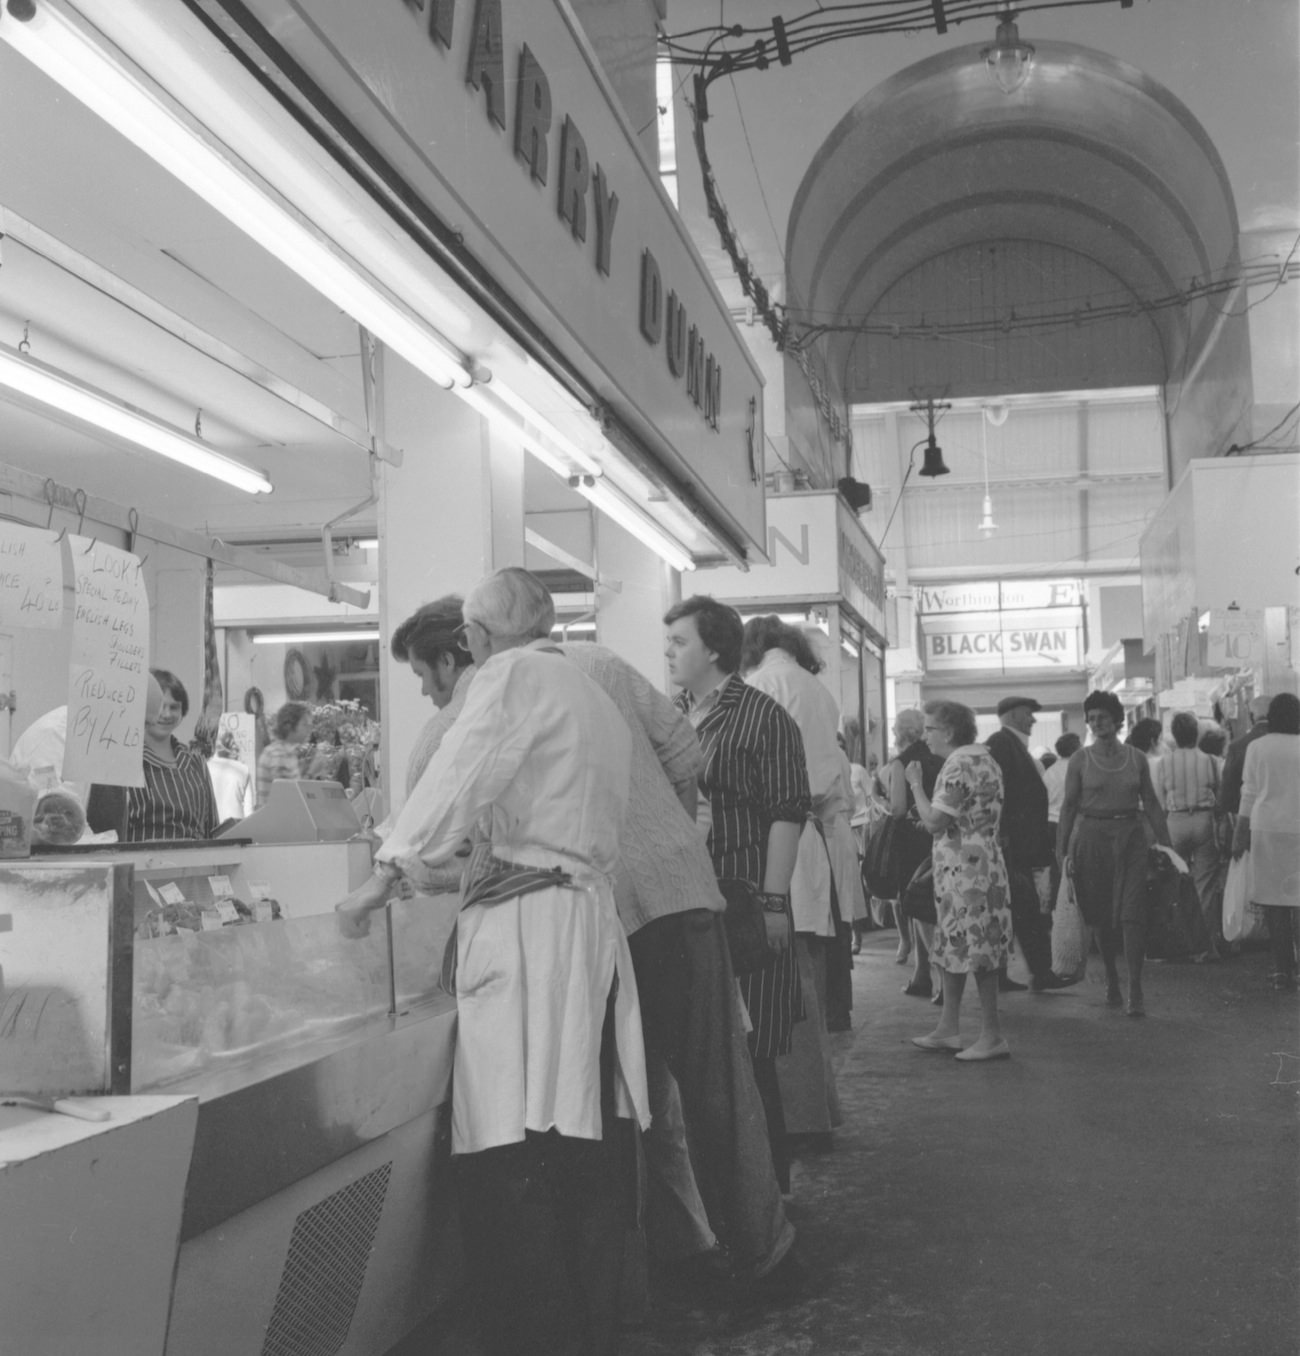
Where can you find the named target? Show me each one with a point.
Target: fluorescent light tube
(90, 73)
(613, 504)
(65, 395)
(313, 637)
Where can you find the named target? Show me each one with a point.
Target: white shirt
(813, 710)
(1054, 780)
(232, 787)
(545, 757)
(664, 866)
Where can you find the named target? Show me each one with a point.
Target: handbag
(918, 897)
(880, 862)
(745, 926)
(1071, 936)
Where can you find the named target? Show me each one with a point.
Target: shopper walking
(1187, 785)
(1027, 844)
(1269, 829)
(1101, 839)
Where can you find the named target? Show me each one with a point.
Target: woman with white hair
(548, 1045)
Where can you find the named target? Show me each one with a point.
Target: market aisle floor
(1118, 1186)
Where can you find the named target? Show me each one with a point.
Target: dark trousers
(690, 1018)
(1281, 936)
(543, 1224)
(1033, 928)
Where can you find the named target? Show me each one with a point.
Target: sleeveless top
(1110, 793)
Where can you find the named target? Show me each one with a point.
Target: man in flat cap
(1027, 842)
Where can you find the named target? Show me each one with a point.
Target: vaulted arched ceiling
(1091, 160)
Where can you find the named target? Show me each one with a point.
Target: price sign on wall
(31, 577)
(108, 674)
(1235, 639)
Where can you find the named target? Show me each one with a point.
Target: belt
(1121, 814)
(1192, 810)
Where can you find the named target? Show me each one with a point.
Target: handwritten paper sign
(31, 577)
(1235, 639)
(108, 675)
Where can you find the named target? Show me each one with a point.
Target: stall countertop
(27, 1133)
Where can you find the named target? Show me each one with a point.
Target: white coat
(544, 756)
(814, 711)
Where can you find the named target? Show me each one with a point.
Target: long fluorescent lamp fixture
(64, 394)
(613, 505)
(68, 56)
(314, 637)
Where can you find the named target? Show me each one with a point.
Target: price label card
(211, 920)
(171, 893)
(153, 893)
(226, 910)
(221, 887)
(263, 911)
(259, 889)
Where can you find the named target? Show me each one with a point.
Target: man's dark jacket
(1027, 838)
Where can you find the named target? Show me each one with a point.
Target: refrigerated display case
(316, 1191)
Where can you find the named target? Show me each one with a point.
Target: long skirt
(1110, 871)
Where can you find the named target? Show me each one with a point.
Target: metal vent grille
(325, 1268)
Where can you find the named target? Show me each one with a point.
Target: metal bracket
(8, 701)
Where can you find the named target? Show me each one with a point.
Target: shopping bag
(1242, 922)
(1071, 936)
(880, 865)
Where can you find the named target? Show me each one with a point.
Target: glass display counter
(218, 972)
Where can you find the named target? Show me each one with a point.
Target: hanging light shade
(987, 525)
(933, 463)
(1008, 59)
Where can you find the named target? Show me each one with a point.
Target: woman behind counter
(176, 800)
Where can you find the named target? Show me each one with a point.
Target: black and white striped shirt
(176, 800)
(755, 775)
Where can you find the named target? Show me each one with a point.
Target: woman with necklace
(1103, 844)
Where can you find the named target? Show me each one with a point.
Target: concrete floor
(1116, 1188)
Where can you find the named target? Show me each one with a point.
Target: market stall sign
(499, 117)
(818, 552)
(31, 578)
(998, 596)
(108, 673)
(1046, 638)
(1235, 638)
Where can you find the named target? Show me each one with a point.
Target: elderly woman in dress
(1269, 829)
(1103, 843)
(972, 898)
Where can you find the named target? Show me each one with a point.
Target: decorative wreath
(295, 675)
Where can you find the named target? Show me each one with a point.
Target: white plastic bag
(1242, 922)
(1071, 936)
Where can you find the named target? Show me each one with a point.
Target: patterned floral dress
(970, 878)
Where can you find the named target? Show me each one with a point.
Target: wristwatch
(773, 903)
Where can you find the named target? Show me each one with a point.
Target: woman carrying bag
(911, 842)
